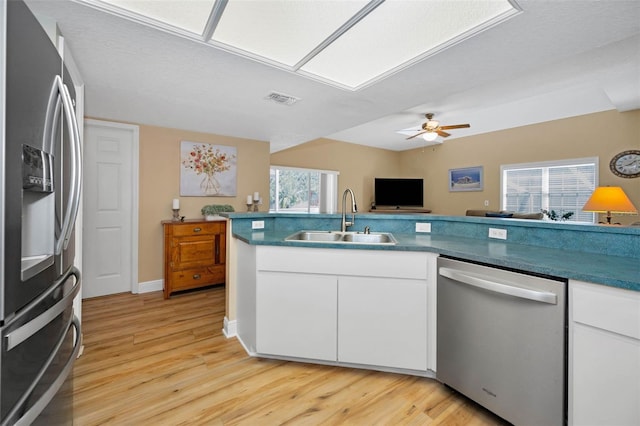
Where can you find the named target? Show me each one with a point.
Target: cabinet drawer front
(187, 229)
(200, 251)
(371, 263)
(608, 308)
(197, 277)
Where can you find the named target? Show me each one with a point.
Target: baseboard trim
(149, 286)
(246, 348)
(230, 328)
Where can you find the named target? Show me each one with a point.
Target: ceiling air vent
(281, 98)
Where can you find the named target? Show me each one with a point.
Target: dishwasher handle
(486, 283)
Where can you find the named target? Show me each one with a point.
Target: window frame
(595, 161)
(327, 194)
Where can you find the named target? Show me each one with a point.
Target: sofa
(504, 214)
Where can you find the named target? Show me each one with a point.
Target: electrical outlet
(423, 227)
(257, 224)
(486, 203)
(500, 234)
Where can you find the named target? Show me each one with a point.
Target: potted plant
(210, 211)
(556, 216)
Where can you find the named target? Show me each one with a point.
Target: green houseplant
(556, 216)
(211, 210)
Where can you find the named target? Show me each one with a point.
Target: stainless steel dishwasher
(502, 340)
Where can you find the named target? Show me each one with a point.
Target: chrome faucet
(354, 210)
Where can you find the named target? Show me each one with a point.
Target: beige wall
(357, 164)
(599, 135)
(160, 183)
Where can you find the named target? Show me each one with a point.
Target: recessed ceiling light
(349, 44)
(190, 15)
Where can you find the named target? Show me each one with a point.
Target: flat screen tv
(398, 192)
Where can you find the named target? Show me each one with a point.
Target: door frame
(135, 166)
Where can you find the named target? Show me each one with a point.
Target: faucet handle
(367, 230)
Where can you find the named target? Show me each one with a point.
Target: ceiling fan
(431, 129)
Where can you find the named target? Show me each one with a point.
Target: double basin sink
(338, 237)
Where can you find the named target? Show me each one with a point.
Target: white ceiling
(556, 59)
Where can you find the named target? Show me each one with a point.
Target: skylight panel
(188, 15)
(399, 33)
(349, 44)
(281, 31)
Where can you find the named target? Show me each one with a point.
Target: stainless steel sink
(337, 237)
(379, 238)
(319, 236)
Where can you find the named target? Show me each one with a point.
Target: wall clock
(626, 164)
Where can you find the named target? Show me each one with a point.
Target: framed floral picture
(207, 170)
(467, 179)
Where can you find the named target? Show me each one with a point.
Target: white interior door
(110, 235)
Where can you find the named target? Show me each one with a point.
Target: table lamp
(609, 199)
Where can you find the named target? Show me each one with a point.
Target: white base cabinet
(297, 315)
(604, 355)
(367, 307)
(383, 322)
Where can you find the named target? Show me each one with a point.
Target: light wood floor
(150, 361)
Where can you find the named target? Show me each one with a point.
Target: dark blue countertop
(610, 270)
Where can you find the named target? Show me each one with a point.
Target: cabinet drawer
(608, 308)
(190, 251)
(187, 229)
(197, 277)
(370, 263)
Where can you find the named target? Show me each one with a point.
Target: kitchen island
(606, 255)
(320, 302)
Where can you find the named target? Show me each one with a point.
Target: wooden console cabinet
(194, 254)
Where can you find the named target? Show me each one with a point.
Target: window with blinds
(562, 186)
(296, 190)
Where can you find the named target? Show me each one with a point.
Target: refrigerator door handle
(30, 416)
(488, 283)
(51, 120)
(19, 335)
(75, 173)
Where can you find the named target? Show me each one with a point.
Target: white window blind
(562, 186)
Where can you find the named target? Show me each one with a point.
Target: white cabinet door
(383, 322)
(604, 355)
(296, 315)
(606, 378)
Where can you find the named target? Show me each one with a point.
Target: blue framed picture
(466, 179)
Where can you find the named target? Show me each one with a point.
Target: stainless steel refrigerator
(40, 162)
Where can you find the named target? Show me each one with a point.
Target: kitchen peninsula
(608, 255)
(278, 288)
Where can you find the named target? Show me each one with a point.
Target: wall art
(207, 170)
(466, 179)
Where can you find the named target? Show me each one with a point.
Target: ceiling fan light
(429, 136)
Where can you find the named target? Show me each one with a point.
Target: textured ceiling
(557, 59)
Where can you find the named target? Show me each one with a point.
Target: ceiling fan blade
(443, 134)
(455, 126)
(417, 134)
(410, 131)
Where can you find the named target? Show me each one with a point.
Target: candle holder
(255, 205)
(176, 215)
(249, 207)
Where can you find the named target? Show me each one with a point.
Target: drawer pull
(197, 229)
(196, 276)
